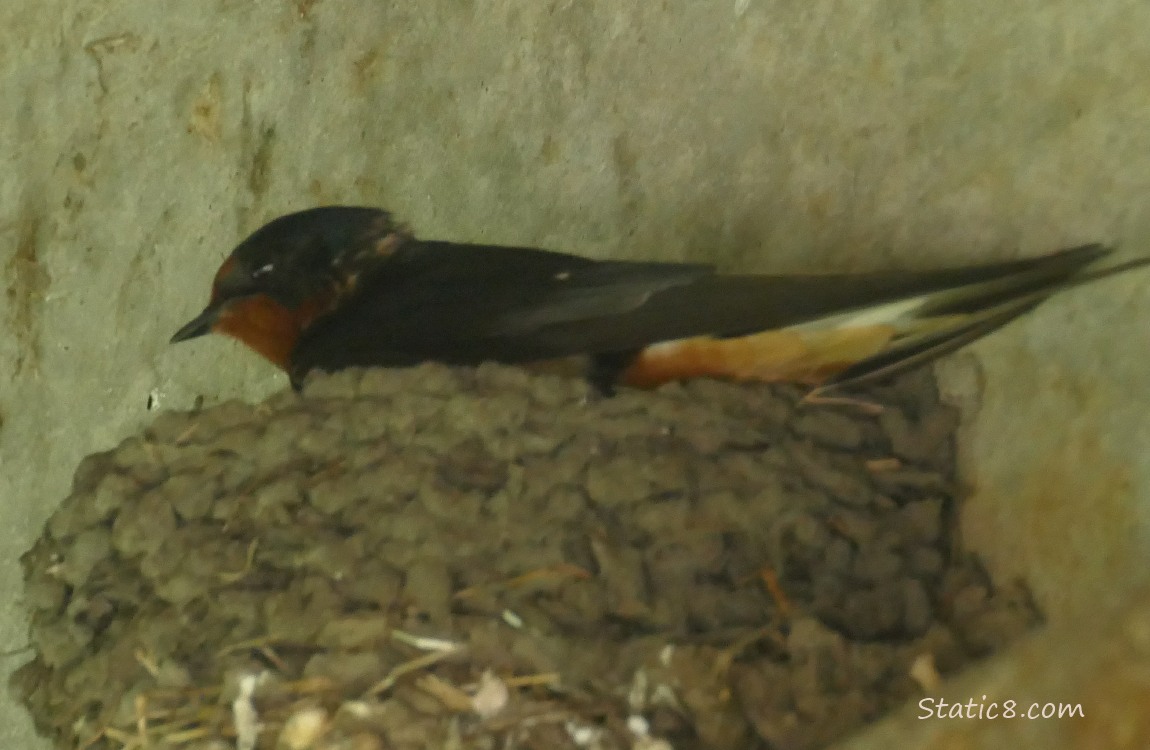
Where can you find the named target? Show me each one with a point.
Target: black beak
(197, 326)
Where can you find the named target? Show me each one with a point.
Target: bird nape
(339, 286)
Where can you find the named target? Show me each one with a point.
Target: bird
(334, 287)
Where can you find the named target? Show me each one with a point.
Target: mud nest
(484, 558)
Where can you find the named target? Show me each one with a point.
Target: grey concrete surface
(141, 140)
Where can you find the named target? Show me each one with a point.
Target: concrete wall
(141, 140)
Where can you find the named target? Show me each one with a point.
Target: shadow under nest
(440, 557)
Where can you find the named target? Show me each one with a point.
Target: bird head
(291, 271)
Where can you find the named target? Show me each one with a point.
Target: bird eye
(264, 269)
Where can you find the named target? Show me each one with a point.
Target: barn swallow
(339, 286)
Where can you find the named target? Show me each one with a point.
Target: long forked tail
(909, 351)
(871, 342)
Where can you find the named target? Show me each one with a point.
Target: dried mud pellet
(829, 428)
(428, 588)
(44, 593)
(847, 487)
(88, 549)
(922, 520)
(111, 493)
(146, 529)
(60, 643)
(621, 568)
(925, 562)
(190, 495)
(170, 426)
(917, 610)
(763, 691)
(903, 481)
(876, 564)
(621, 481)
(358, 670)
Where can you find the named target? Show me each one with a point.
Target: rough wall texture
(140, 140)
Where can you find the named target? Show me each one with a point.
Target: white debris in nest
(925, 673)
(637, 696)
(664, 695)
(491, 697)
(358, 709)
(303, 729)
(244, 714)
(512, 619)
(425, 643)
(638, 726)
(651, 743)
(641, 730)
(586, 737)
